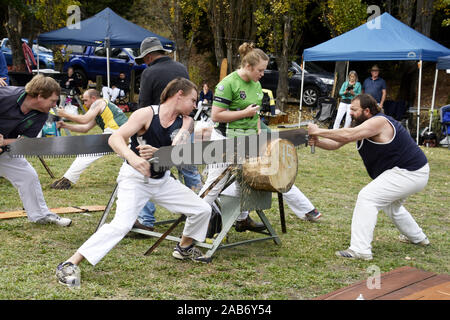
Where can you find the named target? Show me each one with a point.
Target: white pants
(112, 93)
(344, 109)
(387, 192)
(132, 195)
(81, 163)
(25, 179)
(294, 198)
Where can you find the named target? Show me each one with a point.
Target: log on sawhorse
(73, 209)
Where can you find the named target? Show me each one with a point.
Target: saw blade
(85, 145)
(231, 150)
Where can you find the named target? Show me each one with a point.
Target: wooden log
(22, 213)
(276, 170)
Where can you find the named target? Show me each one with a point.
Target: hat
(375, 68)
(149, 44)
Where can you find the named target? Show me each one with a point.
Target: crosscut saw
(232, 150)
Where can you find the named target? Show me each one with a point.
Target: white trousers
(294, 198)
(112, 93)
(25, 179)
(81, 163)
(387, 192)
(132, 195)
(344, 109)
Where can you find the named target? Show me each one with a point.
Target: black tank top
(402, 151)
(157, 136)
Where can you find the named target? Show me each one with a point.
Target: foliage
(445, 6)
(341, 16)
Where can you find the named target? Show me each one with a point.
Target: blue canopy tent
(382, 38)
(107, 29)
(443, 63)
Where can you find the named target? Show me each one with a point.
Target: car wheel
(310, 96)
(82, 76)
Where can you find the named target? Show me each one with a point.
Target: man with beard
(392, 159)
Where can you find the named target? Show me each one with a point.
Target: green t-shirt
(235, 94)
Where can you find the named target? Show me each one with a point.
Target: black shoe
(139, 225)
(61, 184)
(249, 224)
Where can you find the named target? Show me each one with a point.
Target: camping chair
(444, 115)
(327, 110)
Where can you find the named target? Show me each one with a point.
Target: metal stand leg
(281, 208)
(108, 207)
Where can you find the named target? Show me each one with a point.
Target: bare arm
(184, 134)
(138, 123)
(89, 116)
(83, 128)
(219, 114)
(383, 97)
(338, 137)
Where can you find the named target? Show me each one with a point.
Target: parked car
(45, 54)
(318, 82)
(88, 62)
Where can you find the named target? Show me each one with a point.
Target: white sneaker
(62, 222)
(444, 141)
(425, 242)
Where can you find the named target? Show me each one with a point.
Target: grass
(302, 267)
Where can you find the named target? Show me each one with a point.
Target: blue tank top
(157, 136)
(402, 151)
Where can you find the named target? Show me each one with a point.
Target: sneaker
(313, 215)
(62, 222)
(68, 274)
(425, 242)
(353, 255)
(249, 224)
(190, 252)
(61, 184)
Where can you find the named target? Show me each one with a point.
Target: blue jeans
(192, 180)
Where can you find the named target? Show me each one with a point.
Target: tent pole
(433, 98)
(37, 45)
(346, 74)
(418, 101)
(107, 60)
(301, 94)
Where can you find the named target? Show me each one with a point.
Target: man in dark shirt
(375, 86)
(23, 112)
(160, 71)
(393, 160)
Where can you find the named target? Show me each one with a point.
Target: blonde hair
(353, 72)
(176, 85)
(251, 55)
(43, 86)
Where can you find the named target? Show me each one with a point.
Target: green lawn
(302, 267)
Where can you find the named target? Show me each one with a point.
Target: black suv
(318, 82)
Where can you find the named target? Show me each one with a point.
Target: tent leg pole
(301, 94)
(418, 102)
(433, 98)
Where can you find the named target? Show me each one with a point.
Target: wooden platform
(405, 283)
(22, 213)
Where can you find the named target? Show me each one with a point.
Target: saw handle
(152, 160)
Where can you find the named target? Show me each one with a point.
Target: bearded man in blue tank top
(392, 159)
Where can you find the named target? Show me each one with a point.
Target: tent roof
(94, 30)
(387, 39)
(443, 63)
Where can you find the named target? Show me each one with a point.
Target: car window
(100, 51)
(75, 48)
(134, 52)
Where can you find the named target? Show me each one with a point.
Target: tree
(339, 17)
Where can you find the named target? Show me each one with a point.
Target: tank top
(111, 117)
(401, 151)
(157, 136)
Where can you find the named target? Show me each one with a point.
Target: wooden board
(395, 285)
(22, 213)
(439, 292)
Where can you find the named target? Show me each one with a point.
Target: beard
(358, 120)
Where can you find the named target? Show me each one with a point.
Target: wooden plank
(390, 281)
(22, 213)
(439, 292)
(419, 286)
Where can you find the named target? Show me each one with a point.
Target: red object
(124, 107)
(29, 56)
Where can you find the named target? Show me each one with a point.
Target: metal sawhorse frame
(231, 208)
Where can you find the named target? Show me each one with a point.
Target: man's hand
(60, 112)
(141, 165)
(1, 142)
(146, 151)
(3, 82)
(182, 137)
(251, 110)
(60, 124)
(312, 129)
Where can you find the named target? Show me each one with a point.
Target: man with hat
(161, 69)
(375, 86)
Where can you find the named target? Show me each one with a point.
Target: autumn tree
(280, 27)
